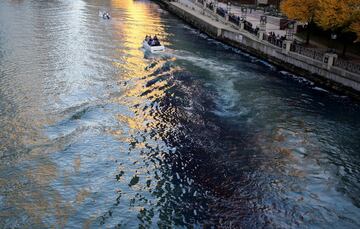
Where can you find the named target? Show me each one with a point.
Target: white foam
(320, 89)
(297, 78)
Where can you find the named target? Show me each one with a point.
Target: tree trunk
(308, 30)
(344, 49)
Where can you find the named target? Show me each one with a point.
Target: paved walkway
(189, 6)
(253, 17)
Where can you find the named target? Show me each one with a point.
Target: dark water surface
(95, 133)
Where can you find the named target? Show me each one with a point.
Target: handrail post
(329, 59)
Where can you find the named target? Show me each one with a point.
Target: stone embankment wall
(316, 70)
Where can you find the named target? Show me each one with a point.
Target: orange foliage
(336, 15)
(343, 15)
(301, 10)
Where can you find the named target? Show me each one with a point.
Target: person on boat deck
(153, 42)
(106, 15)
(157, 42)
(149, 40)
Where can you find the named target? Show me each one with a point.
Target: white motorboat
(104, 15)
(153, 49)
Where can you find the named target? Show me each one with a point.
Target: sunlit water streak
(97, 133)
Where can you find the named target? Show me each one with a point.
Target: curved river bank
(97, 133)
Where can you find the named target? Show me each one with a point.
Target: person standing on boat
(153, 42)
(157, 42)
(150, 40)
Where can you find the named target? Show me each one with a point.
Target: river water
(96, 133)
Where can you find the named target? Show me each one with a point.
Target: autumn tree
(301, 10)
(341, 16)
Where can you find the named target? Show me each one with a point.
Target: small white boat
(104, 15)
(153, 49)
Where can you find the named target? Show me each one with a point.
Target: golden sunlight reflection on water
(141, 21)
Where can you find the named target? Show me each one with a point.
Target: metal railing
(347, 65)
(234, 19)
(248, 27)
(309, 52)
(221, 11)
(210, 6)
(273, 40)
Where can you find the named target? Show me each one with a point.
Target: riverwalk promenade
(320, 66)
(253, 16)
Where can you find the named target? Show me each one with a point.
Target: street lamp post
(289, 37)
(216, 3)
(333, 38)
(290, 31)
(330, 57)
(228, 7)
(263, 20)
(243, 13)
(262, 28)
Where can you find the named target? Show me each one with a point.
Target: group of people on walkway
(275, 39)
(152, 41)
(249, 27)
